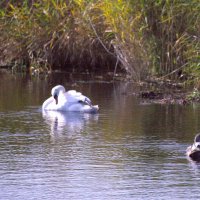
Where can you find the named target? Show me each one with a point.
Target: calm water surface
(128, 151)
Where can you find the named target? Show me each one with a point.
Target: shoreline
(152, 91)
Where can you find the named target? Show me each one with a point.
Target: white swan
(68, 101)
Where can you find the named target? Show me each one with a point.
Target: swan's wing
(74, 96)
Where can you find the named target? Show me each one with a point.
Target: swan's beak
(56, 98)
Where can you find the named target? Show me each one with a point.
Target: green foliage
(125, 22)
(174, 28)
(142, 37)
(194, 95)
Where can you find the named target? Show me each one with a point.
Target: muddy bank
(164, 98)
(167, 92)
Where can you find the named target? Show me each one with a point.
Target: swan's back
(74, 96)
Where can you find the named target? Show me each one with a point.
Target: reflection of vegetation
(143, 37)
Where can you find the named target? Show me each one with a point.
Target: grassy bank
(143, 38)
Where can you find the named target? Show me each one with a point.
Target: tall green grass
(144, 38)
(173, 30)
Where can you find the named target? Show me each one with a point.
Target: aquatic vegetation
(139, 37)
(194, 95)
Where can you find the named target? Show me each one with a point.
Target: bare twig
(173, 71)
(95, 32)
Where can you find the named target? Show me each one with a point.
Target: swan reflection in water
(70, 123)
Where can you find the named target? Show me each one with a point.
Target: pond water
(128, 151)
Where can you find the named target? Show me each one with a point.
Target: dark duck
(193, 151)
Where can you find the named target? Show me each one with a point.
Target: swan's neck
(47, 102)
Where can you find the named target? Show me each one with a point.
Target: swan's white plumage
(68, 101)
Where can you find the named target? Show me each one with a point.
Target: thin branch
(95, 32)
(173, 71)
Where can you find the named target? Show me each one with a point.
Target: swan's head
(56, 91)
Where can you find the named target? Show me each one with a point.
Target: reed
(124, 21)
(143, 38)
(173, 29)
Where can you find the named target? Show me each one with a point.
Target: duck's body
(193, 151)
(68, 101)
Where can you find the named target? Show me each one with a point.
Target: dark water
(127, 151)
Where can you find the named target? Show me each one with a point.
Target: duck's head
(193, 151)
(197, 138)
(56, 91)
